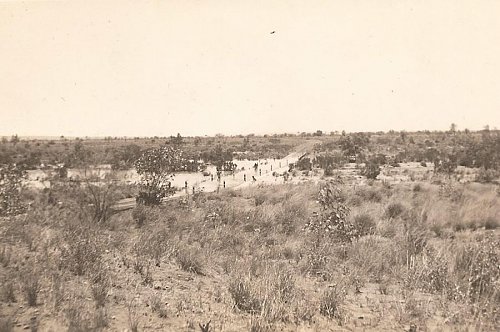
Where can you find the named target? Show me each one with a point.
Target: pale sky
(205, 67)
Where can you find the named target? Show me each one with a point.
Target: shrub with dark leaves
(11, 177)
(332, 219)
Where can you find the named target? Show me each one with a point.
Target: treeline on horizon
(465, 148)
(42, 138)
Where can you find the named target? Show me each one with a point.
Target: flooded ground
(206, 181)
(269, 171)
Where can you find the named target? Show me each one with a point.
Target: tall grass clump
(394, 210)
(81, 248)
(245, 297)
(331, 303)
(30, 284)
(190, 260)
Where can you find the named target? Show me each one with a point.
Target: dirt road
(244, 176)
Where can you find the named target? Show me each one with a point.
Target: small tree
(453, 129)
(14, 139)
(156, 168)
(446, 163)
(11, 177)
(304, 164)
(125, 157)
(332, 219)
(371, 169)
(221, 158)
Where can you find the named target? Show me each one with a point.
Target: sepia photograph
(230, 165)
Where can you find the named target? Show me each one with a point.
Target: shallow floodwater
(244, 170)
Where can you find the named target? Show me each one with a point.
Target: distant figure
(193, 190)
(260, 172)
(245, 177)
(253, 178)
(211, 177)
(224, 184)
(51, 200)
(185, 184)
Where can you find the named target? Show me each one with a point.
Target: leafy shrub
(452, 192)
(371, 170)
(156, 168)
(332, 220)
(317, 256)
(11, 177)
(486, 175)
(304, 164)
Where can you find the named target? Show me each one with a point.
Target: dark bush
(364, 224)
(394, 210)
(491, 223)
(371, 169)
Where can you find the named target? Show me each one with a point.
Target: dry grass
(245, 266)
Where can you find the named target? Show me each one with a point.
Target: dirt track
(263, 175)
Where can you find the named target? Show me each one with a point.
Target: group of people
(218, 176)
